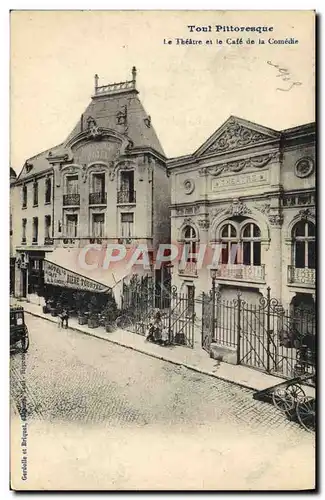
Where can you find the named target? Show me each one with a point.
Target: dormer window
(29, 167)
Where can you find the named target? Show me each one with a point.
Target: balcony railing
(126, 241)
(190, 269)
(34, 241)
(301, 276)
(23, 241)
(71, 199)
(96, 240)
(48, 241)
(98, 198)
(241, 272)
(126, 197)
(71, 241)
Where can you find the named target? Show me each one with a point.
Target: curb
(153, 355)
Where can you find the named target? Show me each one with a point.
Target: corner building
(105, 184)
(252, 188)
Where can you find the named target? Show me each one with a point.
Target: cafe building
(106, 184)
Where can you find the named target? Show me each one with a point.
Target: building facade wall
(252, 184)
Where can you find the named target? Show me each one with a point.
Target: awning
(61, 268)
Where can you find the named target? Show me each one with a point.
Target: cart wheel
(306, 413)
(296, 392)
(25, 341)
(283, 400)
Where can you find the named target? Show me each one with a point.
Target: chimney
(96, 83)
(134, 75)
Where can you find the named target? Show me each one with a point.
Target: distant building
(252, 188)
(106, 183)
(13, 177)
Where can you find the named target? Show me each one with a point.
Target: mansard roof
(113, 107)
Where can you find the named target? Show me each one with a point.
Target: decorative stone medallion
(304, 167)
(189, 186)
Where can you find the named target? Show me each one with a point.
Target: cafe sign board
(59, 276)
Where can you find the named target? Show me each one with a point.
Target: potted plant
(80, 300)
(93, 313)
(110, 314)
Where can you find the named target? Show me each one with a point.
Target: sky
(189, 90)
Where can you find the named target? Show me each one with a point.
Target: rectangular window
(35, 230)
(72, 185)
(127, 181)
(257, 253)
(72, 225)
(48, 190)
(35, 194)
(127, 225)
(98, 225)
(126, 193)
(99, 183)
(23, 235)
(24, 196)
(47, 226)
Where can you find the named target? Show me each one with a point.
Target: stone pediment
(236, 134)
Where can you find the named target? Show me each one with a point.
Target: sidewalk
(193, 359)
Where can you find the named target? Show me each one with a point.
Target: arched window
(304, 245)
(229, 238)
(251, 245)
(190, 240)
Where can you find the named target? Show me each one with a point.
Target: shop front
(92, 302)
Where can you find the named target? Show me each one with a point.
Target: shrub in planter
(82, 319)
(93, 320)
(110, 314)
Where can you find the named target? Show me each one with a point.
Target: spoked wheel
(306, 413)
(283, 400)
(25, 341)
(124, 322)
(286, 398)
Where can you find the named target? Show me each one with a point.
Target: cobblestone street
(109, 417)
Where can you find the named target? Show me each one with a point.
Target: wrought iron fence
(143, 297)
(266, 336)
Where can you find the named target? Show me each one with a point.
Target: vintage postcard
(162, 250)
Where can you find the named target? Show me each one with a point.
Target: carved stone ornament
(238, 208)
(237, 166)
(203, 172)
(217, 211)
(305, 214)
(304, 167)
(188, 220)
(236, 136)
(189, 186)
(93, 130)
(276, 219)
(264, 208)
(204, 224)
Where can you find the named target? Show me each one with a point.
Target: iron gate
(143, 296)
(265, 336)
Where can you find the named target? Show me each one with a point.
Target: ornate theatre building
(253, 189)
